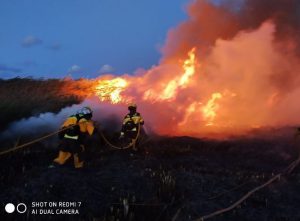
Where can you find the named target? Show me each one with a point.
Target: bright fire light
(110, 90)
(189, 70)
(173, 85)
(210, 109)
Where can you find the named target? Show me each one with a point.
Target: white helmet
(85, 111)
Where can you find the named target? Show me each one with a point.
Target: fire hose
(289, 169)
(131, 144)
(17, 147)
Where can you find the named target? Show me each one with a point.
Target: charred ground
(178, 175)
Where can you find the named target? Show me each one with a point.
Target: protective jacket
(131, 122)
(76, 126)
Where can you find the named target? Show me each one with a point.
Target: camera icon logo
(10, 208)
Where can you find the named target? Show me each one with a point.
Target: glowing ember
(110, 90)
(209, 110)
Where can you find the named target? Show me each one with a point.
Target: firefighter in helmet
(131, 123)
(74, 130)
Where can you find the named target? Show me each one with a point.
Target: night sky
(83, 38)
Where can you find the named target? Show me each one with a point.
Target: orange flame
(171, 88)
(242, 68)
(210, 109)
(189, 68)
(188, 113)
(110, 90)
(179, 100)
(115, 91)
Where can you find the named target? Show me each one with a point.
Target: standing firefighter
(131, 125)
(77, 127)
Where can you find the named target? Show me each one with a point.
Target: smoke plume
(231, 66)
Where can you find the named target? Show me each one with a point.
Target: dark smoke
(210, 22)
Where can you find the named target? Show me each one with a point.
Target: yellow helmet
(132, 105)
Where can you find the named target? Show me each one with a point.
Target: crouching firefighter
(74, 131)
(131, 126)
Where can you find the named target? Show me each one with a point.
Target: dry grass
(24, 97)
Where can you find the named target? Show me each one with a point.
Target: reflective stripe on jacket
(71, 137)
(136, 118)
(131, 122)
(85, 126)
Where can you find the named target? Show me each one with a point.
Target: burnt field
(178, 178)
